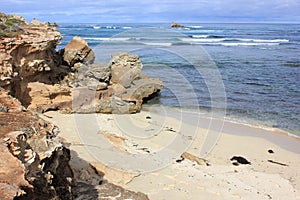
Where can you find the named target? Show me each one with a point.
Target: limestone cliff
(43, 79)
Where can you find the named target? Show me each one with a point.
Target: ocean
(249, 73)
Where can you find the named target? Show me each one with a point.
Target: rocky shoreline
(42, 78)
(34, 77)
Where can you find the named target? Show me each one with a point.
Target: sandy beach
(160, 153)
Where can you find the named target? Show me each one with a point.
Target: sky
(129, 11)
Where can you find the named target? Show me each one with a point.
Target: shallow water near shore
(258, 63)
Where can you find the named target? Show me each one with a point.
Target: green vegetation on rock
(10, 25)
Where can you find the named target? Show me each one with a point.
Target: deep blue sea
(251, 71)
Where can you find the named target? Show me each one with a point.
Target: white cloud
(162, 10)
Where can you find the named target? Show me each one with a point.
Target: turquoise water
(259, 65)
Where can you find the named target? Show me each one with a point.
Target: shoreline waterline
(230, 126)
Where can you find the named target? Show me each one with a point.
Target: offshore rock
(175, 25)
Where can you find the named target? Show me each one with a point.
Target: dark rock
(175, 25)
(106, 191)
(270, 151)
(240, 160)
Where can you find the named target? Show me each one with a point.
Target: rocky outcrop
(43, 79)
(118, 87)
(175, 25)
(30, 55)
(34, 162)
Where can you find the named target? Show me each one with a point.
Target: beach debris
(270, 151)
(193, 158)
(170, 129)
(145, 149)
(240, 160)
(180, 160)
(278, 163)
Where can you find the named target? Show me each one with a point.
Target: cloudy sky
(155, 10)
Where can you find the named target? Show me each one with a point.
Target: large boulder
(125, 68)
(126, 90)
(78, 51)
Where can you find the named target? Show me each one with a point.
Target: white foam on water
(106, 39)
(195, 26)
(200, 36)
(158, 43)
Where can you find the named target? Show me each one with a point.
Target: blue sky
(155, 10)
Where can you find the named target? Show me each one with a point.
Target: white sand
(139, 154)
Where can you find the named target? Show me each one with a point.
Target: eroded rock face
(35, 162)
(43, 79)
(28, 54)
(42, 97)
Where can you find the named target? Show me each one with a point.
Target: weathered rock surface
(34, 161)
(43, 97)
(115, 88)
(34, 165)
(43, 79)
(107, 191)
(125, 68)
(78, 51)
(29, 54)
